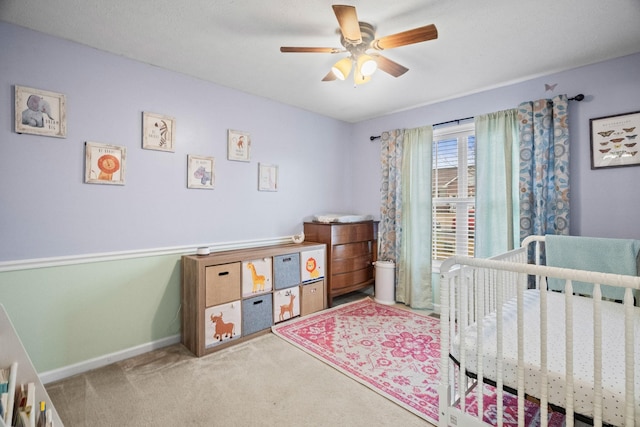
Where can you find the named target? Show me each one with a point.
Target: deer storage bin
(286, 270)
(286, 304)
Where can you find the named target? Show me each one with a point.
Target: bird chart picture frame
(615, 140)
(201, 172)
(105, 163)
(238, 145)
(267, 177)
(158, 132)
(40, 112)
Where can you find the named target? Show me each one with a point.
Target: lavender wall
(48, 211)
(605, 202)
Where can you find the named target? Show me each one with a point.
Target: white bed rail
(473, 288)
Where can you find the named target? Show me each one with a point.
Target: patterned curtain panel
(391, 197)
(544, 167)
(405, 212)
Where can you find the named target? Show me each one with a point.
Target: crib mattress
(612, 343)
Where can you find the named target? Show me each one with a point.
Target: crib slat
(520, 316)
(629, 359)
(544, 361)
(569, 384)
(597, 356)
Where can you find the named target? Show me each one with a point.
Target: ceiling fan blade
(329, 77)
(389, 66)
(348, 21)
(311, 49)
(417, 35)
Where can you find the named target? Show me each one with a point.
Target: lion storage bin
(286, 271)
(312, 265)
(222, 323)
(286, 304)
(257, 314)
(257, 277)
(222, 283)
(313, 297)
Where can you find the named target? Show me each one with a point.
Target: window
(453, 191)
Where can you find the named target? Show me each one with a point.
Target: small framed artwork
(104, 163)
(615, 140)
(267, 177)
(40, 112)
(200, 172)
(158, 132)
(238, 146)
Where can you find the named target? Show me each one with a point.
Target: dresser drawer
(350, 279)
(222, 284)
(347, 233)
(352, 264)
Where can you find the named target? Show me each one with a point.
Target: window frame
(457, 131)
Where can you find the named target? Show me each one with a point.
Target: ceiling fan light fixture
(367, 65)
(359, 78)
(342, 68)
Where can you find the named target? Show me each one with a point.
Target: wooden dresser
(351, 251)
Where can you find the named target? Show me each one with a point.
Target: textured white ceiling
(235, 43)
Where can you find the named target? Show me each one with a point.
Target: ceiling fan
(358, 39)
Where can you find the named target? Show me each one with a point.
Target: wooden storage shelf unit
(231, 296)
(351, 251)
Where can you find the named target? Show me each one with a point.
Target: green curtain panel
(497, 174)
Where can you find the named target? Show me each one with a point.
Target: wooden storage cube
(286, 304)
(312, 265)
(312, 297)
(222, 284)
(286, 270)
(257, 314)
(222, 323)
(257, 276)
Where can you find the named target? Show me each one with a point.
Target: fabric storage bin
(312, 265)
(257, 276)
(286, 304)
(222, 284)
(286, 270)
(257, 314)
(313, 297)
(222, 323)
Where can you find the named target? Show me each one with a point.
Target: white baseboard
(107, 359)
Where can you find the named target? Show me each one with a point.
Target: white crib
(500, 325)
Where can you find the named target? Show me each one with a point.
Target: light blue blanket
(618, 256)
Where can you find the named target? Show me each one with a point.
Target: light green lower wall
(69, 314)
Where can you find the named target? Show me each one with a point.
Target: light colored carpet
(262, 382)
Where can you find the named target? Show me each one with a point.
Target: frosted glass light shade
(367, 65)
(342, 68)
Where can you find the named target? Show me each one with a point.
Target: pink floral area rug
(394, 352)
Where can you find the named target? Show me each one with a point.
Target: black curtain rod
(579, 97)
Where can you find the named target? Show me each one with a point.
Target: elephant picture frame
(40, 112)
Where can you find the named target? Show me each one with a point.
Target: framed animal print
(200, 172)
(615, 140)
(104, 163)
(238, 146)
(40, 112)
(158, 132)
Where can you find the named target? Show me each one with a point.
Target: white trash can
(385, 289)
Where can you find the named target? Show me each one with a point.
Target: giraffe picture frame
(158, 132)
